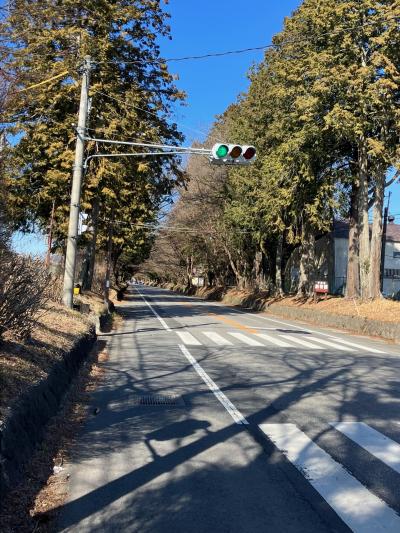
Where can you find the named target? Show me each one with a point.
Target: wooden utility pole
(72, 243)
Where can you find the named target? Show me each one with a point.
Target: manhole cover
(157, 399)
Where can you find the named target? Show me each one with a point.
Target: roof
(341, 230)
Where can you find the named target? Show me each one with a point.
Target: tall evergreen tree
(131, 95)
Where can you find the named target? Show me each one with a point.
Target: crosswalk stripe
(217, 338)
(331, 344)
(361, 510)
(302, 342)
(385, 449)
(360, 346)
(274, 340)
(188, 339)
(244, 338)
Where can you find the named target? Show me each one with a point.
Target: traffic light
(232, 154)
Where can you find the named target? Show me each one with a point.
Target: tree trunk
(307, 262)
(376, 239)
(107, 281)
(278, 275)
(89, 263)
(364, 250)
(234, 267)
(353, 265)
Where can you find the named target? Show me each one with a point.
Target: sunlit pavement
(263, 424)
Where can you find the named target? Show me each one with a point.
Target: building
(391, 278)
(330, 262)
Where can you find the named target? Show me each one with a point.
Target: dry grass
(383, 310)
(24, 363)
(34, 505)
(95, 301)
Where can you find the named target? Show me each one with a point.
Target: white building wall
(391, 279)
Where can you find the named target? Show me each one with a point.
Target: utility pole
(383, 253)
(72, 243)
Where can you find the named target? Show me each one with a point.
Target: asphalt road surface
(216, 420)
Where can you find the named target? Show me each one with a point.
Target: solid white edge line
(164, 324)
(360, 509)
(235, 414)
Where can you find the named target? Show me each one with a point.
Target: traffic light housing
(232, 154)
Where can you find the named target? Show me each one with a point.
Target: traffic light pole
(72, 243)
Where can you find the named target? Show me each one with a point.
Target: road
(216, 420)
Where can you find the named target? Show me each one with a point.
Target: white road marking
(360, 346)
(306, 328)
(385, 449)
(274, 340)
(302, 342)
(164, 324)
(187, 338)
(217, 338)
(331, 344)
(244, 338)
(235, 414)
(361, 510)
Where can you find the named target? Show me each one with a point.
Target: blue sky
(207, 26)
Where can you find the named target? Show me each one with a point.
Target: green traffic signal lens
(222, 151)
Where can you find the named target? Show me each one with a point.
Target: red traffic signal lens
(249, 153)
(236, 152)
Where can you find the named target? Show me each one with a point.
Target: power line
(251, 49)
(181, 124)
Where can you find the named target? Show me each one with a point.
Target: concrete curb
(24, 425)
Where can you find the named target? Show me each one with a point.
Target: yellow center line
(233, 323)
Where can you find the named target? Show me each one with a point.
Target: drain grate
(158, 399)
